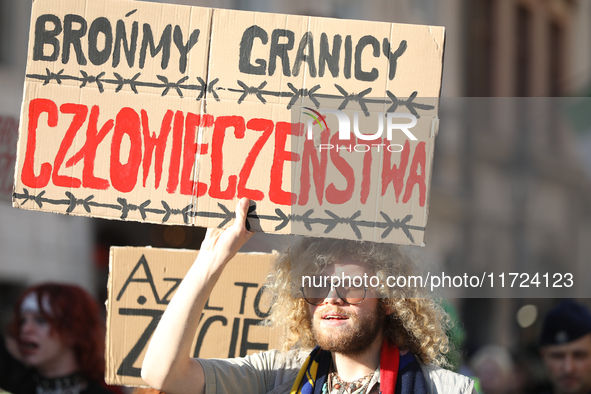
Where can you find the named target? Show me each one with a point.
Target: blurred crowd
(55, 344)
(560, 364)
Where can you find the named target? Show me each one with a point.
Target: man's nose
(333, 297)
(568, 365)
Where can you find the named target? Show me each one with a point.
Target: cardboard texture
(143, 280)
(169, 114)
(8, 137)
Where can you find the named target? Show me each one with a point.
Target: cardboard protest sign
(169, 114)
(8, 137)
(143, 280)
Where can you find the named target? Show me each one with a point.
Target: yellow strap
(296, 385)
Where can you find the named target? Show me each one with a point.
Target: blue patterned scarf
(398, 374)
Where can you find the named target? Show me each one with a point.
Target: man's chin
(335, 339)
(340, 347)
(571, 386)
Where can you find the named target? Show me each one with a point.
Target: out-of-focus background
(513, 198)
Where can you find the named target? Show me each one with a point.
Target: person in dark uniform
(55, 343)
(565, 347)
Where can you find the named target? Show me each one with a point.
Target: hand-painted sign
(142, 282)
(169, 114)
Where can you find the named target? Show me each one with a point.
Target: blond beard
(353, 339)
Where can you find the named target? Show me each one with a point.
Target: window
(479, 49)
(522, 51)
(556, 58)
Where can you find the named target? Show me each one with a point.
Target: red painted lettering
(366, 172)
(334, 195)
(309, 155)
(280, 156)
(414, 178)
(266, 126)
(393, 173)
(151, 142)
(188, 186)
(217, 157)
(177, 148)
(36, 108)
(124, 176)
(79, 111)
(130, 130)
(88, 151)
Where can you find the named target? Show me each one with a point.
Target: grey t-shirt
(271, 372)
(260, 373)
(274, 372)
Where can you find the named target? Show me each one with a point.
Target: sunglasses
(350, 295)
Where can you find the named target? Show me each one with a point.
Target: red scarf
(389, 359)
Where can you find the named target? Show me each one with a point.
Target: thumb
(241, 213)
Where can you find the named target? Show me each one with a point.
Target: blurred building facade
(517, 200)
(34, 247)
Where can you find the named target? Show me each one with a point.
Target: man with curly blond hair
(346, 332)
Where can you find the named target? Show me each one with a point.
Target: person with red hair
(55, 343)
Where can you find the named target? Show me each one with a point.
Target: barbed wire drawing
(182, 86)
(329, 219)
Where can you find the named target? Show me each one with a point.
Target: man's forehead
(347, 264)
(581, 344)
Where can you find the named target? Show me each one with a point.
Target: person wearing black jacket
(565, 346)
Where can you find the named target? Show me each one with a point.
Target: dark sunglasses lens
(315, 295)
(352, 295)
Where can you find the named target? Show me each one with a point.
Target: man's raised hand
(223, 244)
(168, 365)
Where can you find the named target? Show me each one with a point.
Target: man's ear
(388, 308)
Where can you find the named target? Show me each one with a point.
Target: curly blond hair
(418, 321)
